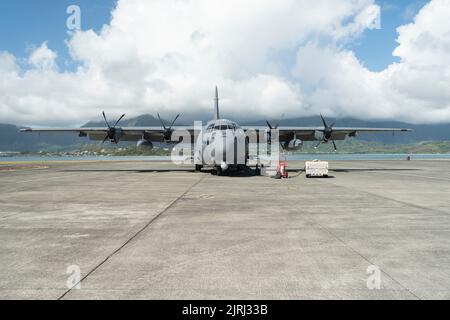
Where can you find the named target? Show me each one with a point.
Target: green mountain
(144, 120)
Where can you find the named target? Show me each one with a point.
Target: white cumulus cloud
(43, 58)
(415, 89)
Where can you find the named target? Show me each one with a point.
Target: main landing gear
(232, 171)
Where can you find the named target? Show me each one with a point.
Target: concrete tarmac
(137, 230)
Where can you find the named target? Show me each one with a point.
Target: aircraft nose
(230, 143)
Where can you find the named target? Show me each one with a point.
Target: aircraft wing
(153, 134)
(308, 133)
(156, 134)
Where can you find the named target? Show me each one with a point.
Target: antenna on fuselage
(216, 105)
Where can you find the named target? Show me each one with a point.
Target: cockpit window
(222, 127)
(210, 128)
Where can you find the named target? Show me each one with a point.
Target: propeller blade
(277, 125)
(324, 122)
(162, 122)
(334, 144)
(318, 145)
(104, 117)
(119, 120)
(173, 122)
(104, 140)
(269, 133)
(332, 125)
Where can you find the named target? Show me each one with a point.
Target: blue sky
(28, 23)
(375, 47)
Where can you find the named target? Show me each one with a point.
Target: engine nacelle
(144, 144)
(318, 135)
(294, 145)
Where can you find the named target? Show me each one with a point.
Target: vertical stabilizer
(216, 105)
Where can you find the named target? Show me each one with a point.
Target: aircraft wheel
(198, 167)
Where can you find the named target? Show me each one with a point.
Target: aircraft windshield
(222, 127)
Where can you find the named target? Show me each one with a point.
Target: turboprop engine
(294, 145)
(144, 144)
(319, 135)
(114, 133)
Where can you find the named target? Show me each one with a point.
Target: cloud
(43, 58)
(426, 41)
(415, 89)
(8, 63)
(268, 58)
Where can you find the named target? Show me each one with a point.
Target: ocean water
(327, 157)
(372, 156)
(81, 158)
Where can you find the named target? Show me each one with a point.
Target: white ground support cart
(316, 168)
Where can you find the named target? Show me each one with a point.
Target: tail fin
(216, 104)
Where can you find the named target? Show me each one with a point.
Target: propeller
(327, 133)
(270, 125)
(167, 134)
(112, 133)
(269, 134)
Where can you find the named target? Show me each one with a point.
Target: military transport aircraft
(219, 136)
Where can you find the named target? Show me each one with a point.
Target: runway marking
(21, 168)
(135, 235)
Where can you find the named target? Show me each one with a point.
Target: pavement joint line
(134, 236)
(360, 254)
(408, 204)
(365, 258)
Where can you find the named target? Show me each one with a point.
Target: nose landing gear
(233, 171)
